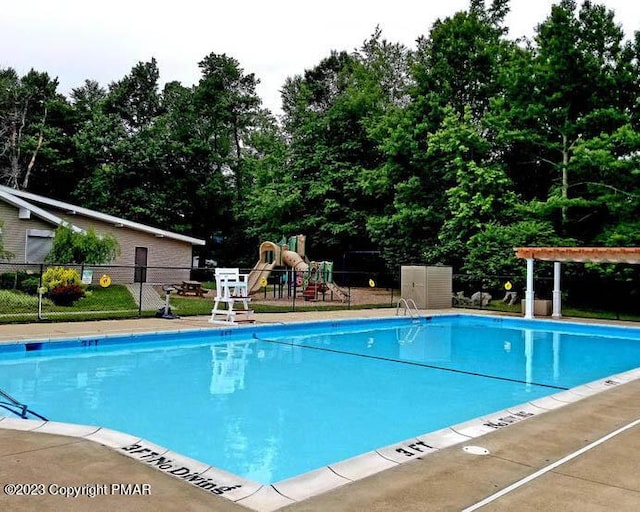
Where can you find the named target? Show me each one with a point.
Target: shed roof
(22, 199)
(581, 254)
(38, 212)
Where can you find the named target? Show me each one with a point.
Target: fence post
(40, 293)
(295, 291)
(140, 299)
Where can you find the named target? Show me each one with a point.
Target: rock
(480, 299)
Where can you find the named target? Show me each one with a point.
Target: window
(38, 245)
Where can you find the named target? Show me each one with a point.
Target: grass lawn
(189, 306)
(114, 298)
(99, 303)
(498, 305)
(15, 302)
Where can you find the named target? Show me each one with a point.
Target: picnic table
(191, 288)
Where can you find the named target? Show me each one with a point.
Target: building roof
(581, 254)
(26, 200)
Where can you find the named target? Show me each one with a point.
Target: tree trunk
(565, 178)
(238, 171)
(32, 160)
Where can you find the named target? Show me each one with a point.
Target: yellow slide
(261, 270)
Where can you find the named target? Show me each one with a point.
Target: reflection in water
(420, 344)
(556, 356)
(528, 354)
(257, 455)
(228, 365)
(542, 352)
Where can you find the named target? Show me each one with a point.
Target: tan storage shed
(429, 287)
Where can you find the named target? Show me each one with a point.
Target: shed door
(140, 275)
(418, 286)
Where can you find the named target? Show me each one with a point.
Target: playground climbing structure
(313, 277)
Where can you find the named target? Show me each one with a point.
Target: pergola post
(629, 255)
(528, 294)
(557, 294)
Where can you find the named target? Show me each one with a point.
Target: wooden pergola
(569, 254)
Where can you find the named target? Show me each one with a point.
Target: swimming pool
(269, 403)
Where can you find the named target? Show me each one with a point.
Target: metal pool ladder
(408, 308)
(11, 404)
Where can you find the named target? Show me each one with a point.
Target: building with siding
(147, 254)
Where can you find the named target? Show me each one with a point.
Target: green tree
(200, 198)
(332, 114)
(228, 101)
(491, 250)
(123, 145)
(605, 188)
(482, 193)
(87, 99)
(573, 84)
(134, 99)
(26, 129)
(210, 133)
(456, 66)
(269, 210)
(71, 246)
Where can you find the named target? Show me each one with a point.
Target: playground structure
(313, 277)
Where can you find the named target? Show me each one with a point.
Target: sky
(75, 40)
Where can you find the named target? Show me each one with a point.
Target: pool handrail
(23, 409)
(409, 305)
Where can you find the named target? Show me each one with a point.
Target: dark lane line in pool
(411, 363)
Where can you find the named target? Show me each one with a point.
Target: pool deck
(605, 477)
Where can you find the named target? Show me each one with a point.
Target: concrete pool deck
(606, 477)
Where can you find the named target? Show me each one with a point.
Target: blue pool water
(269, 403)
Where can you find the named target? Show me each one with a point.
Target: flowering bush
(56, 276)
(63, 285)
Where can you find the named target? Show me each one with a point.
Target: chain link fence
(107, 291)
(28, 294)
(595, 296)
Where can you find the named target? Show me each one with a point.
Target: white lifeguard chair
(231, 287)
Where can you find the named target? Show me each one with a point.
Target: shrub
(7, 280)
(65, 294)
(30, 285)
(56, 276)
(12, 280)
(64, 285)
